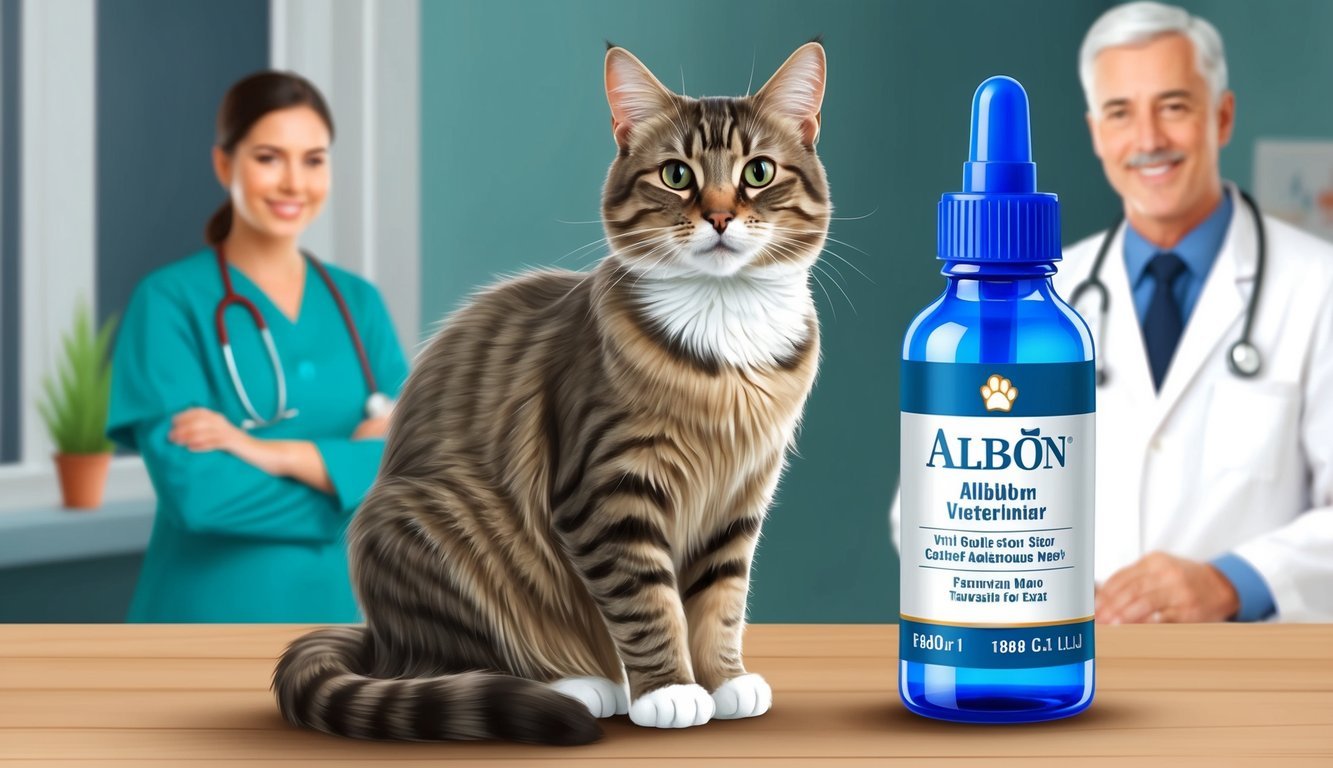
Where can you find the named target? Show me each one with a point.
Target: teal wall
(1281, 69)
(162, 68)
(895, 133)
(516, 140)
(92, 591)
(173, 61)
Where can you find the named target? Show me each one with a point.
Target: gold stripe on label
(995, 626)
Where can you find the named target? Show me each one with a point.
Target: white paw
(602, 697)
(675, 706)
(744, 696)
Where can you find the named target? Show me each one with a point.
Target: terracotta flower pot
(82, 478)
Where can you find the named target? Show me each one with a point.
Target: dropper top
(1000, 156)
(999, 216)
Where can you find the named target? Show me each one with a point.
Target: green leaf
(76, 399)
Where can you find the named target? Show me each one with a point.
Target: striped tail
(320, 684)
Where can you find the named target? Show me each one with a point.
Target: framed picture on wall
(1293, 180)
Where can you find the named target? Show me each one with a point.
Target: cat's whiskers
(593, 273)
(667, 246)
(830, 239)
(593, 221)
(642, 251)
(802, 247)
(754, 56)
(837, 285)
(820, 283)
(680, 122)
(825, 234)
(785, 245)
(834, 267)
(607, 239)
(855, 218)
(780, 248)
(666, 241)
(575, 287)
(592, 245)
(645, 273)
(840, 257)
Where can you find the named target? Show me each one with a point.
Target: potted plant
(74, 409)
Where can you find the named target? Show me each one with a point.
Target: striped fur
(580, 463)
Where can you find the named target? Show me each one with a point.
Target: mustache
(1155, 158)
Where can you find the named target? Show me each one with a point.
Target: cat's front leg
(715, 583)
(615, 536)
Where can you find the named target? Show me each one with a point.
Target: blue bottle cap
(999, 215)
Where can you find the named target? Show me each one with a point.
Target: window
(9, 262)
(112, 179)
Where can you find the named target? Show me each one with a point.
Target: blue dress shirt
(1198, 250)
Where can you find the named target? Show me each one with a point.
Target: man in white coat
(1214, 489)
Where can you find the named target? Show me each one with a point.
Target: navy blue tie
(1162, 323)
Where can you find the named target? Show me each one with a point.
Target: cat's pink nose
(720, 219)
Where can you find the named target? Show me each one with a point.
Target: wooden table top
(143, 695)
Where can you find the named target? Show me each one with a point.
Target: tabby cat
(580, 462)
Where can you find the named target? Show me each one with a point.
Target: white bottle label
(997, 499)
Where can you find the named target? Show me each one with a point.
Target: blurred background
(473, 139)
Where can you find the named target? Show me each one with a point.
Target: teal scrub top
(231, 543)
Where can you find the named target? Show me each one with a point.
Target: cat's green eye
(677, 175)
(759, 172)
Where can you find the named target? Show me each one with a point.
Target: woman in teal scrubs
(251, 515)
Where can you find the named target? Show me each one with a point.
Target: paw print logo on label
(998, 393)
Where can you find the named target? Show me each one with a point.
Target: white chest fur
(748, 319)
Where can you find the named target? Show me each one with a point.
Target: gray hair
(1135, 23)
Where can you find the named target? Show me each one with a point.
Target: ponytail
(219, 225)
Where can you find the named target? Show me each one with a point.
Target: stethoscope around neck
(1243, 358)
(377, 403)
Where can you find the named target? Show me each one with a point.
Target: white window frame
(365, 58)
(371, 227)
(58, 227)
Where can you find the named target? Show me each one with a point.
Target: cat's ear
(633, 92)
(796, 90)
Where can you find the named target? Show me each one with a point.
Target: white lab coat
(1215, 463)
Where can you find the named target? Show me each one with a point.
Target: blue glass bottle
(997, 462)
